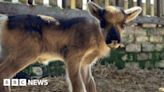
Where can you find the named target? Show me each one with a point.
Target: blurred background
(136, 67)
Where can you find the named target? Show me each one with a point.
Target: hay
(109, 79)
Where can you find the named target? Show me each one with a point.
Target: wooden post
(15, 1)
(64, 3)
(138, 2)
(162, 8)
(33, 1)
(96, 1)
(73, 4)
(40, 2)
(134, 2)
(59, 3)
(106, 2)
(46, 2)
(84, 6)
(80, 4)
(113, 2)
(117, 2)
(120, 3)
(53, 2)
(125, 4)
(152, 7)
(158, 8)
(144, 7)
(130, 3)
(30, 2)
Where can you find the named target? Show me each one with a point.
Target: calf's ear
(95, 10)
(132, 13)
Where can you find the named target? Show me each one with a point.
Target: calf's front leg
(76, 83)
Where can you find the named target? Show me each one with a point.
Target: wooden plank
(15, 9)
(84, 6)
(134, 2)
(64, 4)
(117, 2)
(143, 7)
(29, 2)
(39, 2)
(162, 8)
(46, 2)
(158, 8)
(148, 7)
(73, 4)
(152, 8)
(106, 2)
(113, 2)
(80, 4)
(130, 3)
(15, 1)
(96, 1)
(52, 2)
(101, 2)
(139, 2)
(125, 4)
(59, 3)
(121, 3)
(149, 20)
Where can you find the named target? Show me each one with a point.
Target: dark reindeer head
(112, 21)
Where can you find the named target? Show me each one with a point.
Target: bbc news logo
(23, 82)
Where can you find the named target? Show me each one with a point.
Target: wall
(142, 45)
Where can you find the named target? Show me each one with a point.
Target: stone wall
(142, 45)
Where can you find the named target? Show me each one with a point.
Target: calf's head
(112, 21)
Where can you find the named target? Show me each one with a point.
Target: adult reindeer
(79, 42)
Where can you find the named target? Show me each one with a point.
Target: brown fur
(78, 46)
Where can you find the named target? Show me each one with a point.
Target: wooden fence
(150, 7)
(153, 10)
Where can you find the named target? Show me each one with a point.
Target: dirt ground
(109, 79)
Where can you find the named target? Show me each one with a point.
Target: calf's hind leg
(10, 66)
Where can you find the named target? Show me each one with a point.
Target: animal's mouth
(114, 44)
